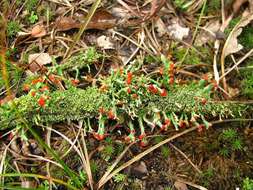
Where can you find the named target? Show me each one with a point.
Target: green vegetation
(246, 38)
(247, 184)
(79, 61)
(207, 176)
(13, 71)
(247, 82)
(229, 142)
(119, 178)
(33, 18)
(31, 5)
(193, 57)
(13, 27)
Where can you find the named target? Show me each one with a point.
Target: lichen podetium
(126, 98)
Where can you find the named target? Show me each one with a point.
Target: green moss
(193, 57)
(231, 25)
(13, 28)
(31, 5)
(247, 82)
(246, 37)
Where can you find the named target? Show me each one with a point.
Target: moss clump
(192, 58)
(13, 28)
(31, 5)
(247, 82)
(246, 37)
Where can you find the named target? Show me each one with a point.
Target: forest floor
(55, 45)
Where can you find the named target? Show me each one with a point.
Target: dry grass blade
(231, 45)
(186, 157)
(141, 155)
(87, 165)
(102, 180)
(238, 63)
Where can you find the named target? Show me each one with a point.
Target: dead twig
(186, 157)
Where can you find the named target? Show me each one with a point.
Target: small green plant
(213, 5)
(165, 151)
(247, 184)
(119, 177)
(229, 142)
(207, 176)
(246, 37)
(192, 58)
(13, 27)
(31, 5)
(107, 152)
(247, 82)
(33, 18)
(182, 4)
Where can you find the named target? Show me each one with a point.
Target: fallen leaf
(37, 60)
(180, 185)
(66, 23)
(105, 42)
(177, 31)
(38, 31)
(231, 45)
(209, 33)
(101, 20)
(160, 27)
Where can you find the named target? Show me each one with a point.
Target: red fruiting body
(167, 122)
(142, 136)
(163, 93)
(161, 70)
(110, 115)
(35, 81)
(205, 77)
(10, 136)
(132, 131)
(129, 90)
(26, 87)
(42, 101)
(182, 124)
(127, 139)
(129, 78)
(44, 88)
(215, 85)
(51, 77)
(143, 143)
(101, 110)
(152, 89)
(172, 66)
(204, 101)
(134, 96)
(200, 128)
(164, 127)
(99, 136)
(75, 82)
(171, 81)
(33, 93)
